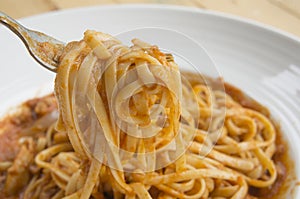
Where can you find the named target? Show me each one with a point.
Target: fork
(44, 49)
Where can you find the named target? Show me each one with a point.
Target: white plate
(262, 61)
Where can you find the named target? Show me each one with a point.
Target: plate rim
(218, 14)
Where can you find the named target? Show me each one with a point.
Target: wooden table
(282, 14)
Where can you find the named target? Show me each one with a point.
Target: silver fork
(44, 49)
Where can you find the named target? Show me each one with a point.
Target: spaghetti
(130, 125)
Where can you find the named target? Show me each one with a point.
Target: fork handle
(14, 26)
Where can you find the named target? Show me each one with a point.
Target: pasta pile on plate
(139, 128)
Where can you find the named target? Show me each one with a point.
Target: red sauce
(24, 116)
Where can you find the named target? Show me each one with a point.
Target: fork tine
(169, 57)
